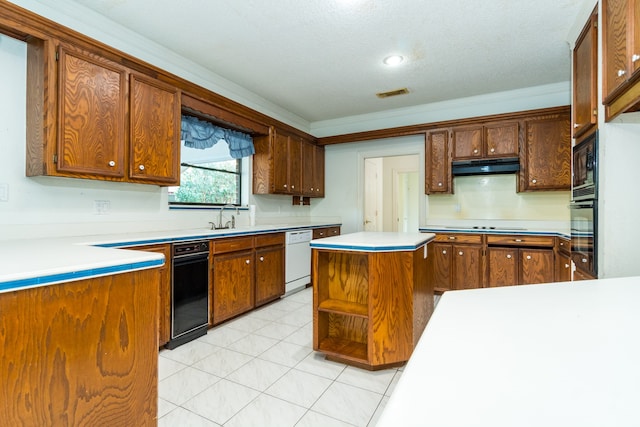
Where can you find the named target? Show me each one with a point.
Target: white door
(371, 194)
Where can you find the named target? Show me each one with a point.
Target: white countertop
(29, 263)
(372, 241)
(560, 354)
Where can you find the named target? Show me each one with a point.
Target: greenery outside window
(208, 177)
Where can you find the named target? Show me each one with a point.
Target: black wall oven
(584, 206)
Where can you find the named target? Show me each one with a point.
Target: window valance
(201, 134)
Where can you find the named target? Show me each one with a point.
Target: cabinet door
(308, 163)
(563, 267)
(164, 289)
(442, 267)
(233, 286)
(501, 139)
(467, 142)
(615, 38)
(503, 266)
(92, 103)
(536, 266)
(281, 164)
(437, 164)
(585, 74)
(154, 132)
(295, 165)
(318, 170)
(467, 266)
(546, 157)
(269, 274)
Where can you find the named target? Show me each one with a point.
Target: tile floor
(260, 370)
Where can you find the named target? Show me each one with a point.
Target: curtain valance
(201, 134)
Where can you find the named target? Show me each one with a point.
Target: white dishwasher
(297, 260)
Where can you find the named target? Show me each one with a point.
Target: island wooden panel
(370, 308)
(82, 353)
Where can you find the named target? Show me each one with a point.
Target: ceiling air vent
(396, 92)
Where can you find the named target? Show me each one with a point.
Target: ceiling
(322, 60)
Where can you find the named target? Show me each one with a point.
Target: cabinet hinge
(57, 56)
(595, 111)
(55, 158)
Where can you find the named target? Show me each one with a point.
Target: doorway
(391, 193)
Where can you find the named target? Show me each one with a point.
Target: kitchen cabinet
(563, 260)
(269, 274)
(81, 353)
(285, 163)
(112, 124)
(358, 318)
(585, 78)
(458, 261)
(545, 157)
(246, 272)
(232, 269)
(520, 260)
(438, 162)
(579, 275)
(621, 56)
(319, 233)
(499, 139)
(164, 291)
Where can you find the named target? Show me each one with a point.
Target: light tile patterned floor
(260, 370)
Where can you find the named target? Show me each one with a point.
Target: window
(208, 177)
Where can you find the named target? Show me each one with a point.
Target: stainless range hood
(485, 166)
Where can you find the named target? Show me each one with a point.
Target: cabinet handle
(528, 256)
(621, 73)
(261, 258)
(533, 181)
(635, 57)
(112, 163)
(293, 186)
(285, 186)
(584, 260)
(576, 126)
(452, 237)
(311, 188)
(322, 233)
(493, 150)
(460, 253)
(141, 167)
(566, 266)
(317, 189)
(475, 151)
(444, 252)
(439, 184)
(517, 240)
(509, 256)
(248, 261)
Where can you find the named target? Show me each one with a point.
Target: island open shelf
(370, 303)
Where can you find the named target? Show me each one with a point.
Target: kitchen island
(372, 296)
(558, 354)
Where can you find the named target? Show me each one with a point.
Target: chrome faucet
(233, 219)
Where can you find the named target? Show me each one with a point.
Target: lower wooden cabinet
(319, 233)
(164, 286)
(457, 265)
(563, 260)
(522, 260)
(246, 272)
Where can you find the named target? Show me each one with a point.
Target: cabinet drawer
(564, 245)
(319, 233)
(233, 244)
(269, 239)
(520, 240)
(459, 238)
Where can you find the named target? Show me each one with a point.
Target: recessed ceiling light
(393, 60)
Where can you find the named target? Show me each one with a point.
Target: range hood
(485, 166)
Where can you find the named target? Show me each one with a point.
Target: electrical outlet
(101, 207)
(4, 192)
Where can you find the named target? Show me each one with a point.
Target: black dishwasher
(189, 292)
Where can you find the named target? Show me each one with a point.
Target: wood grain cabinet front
(621, 56)
(563, 260)
(438, 162)
(269, 268)
(233, 284)
(458, 261)
(108, 122)
(520, 260)
(498, 139)
(585, 78)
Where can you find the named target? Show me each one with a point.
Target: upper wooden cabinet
(108, 122)
(437, 162)
(498, 139)
(545, 158)
(621, 56)
(284, 163)
(585, 78)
